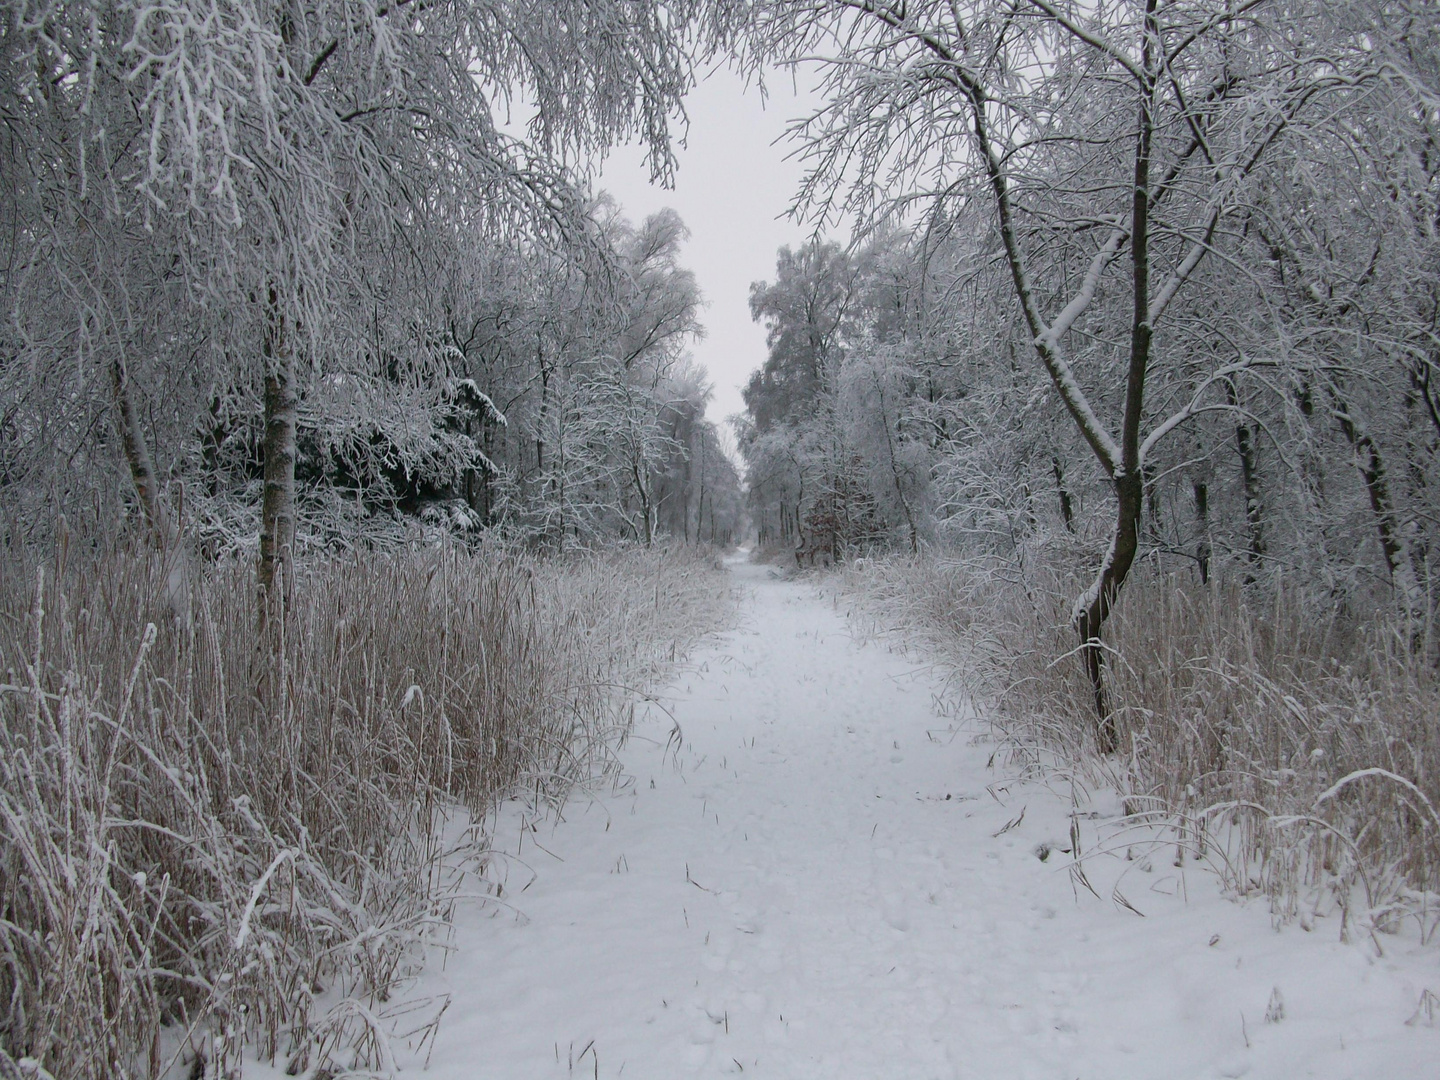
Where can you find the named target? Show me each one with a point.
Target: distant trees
(1205, 226)
(603, 428)
(277, 277)
(824, 410)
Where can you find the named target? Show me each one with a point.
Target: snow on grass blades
(207, 853)
(1292, 746)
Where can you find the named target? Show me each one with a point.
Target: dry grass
(206, 849)
(1295, 747)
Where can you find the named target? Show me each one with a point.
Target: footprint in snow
(895, 912)
(696, 1055)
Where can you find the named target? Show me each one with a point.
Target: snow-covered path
(813, 887)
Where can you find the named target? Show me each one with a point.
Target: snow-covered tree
(257, 201)
(1115, 149)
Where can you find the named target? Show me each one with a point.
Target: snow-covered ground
(820, 884)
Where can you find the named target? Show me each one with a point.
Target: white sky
(732, 188)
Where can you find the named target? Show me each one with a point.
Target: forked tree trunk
(276, 572)
(1393, 544)
(647, 511)
(1094, 605)
(1122, 460)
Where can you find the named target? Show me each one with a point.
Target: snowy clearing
(820, 883)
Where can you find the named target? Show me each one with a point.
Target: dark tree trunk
(1371, 464)
(1202, 523)
(1094, 607)
(1067, 508)
(1250, 483)
(1154, 512)
(277, 503)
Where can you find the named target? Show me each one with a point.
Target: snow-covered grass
(1297, 750)
(208, 850)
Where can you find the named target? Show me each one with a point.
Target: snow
(819, 883)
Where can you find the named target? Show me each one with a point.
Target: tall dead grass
(207, 852)
(1295, 746)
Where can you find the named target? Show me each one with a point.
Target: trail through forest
(825, 879)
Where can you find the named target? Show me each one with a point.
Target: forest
(1206, 335)
(356, 472)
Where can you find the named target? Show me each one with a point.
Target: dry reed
(210, 849)
(1295, 746)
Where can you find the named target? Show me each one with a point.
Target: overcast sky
(732, 189)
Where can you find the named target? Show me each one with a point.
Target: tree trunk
(1154, 512)
(277, 504)
(1393, 544)
(486, 499)
(137, 457)
(1094, 605)
(647, 511)
(1067, 508)
(162, 531)
(544, 412)
(895, 467)
(1121, 461)
(700, 500)
(1250, 481)
(1202, 522)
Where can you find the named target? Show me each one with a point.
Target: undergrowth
(1295, 746)
(209, 850)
